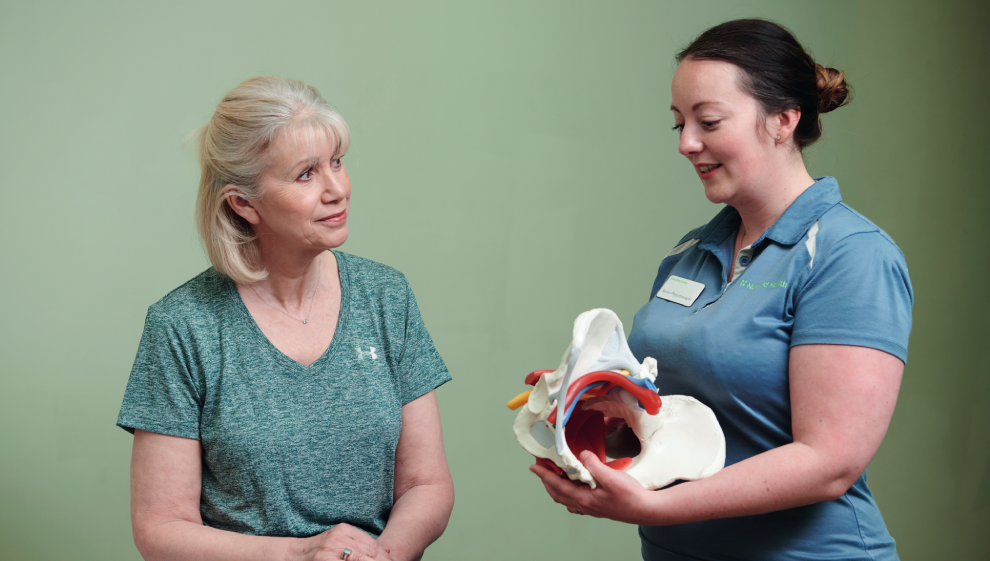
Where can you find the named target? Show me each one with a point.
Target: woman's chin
(714, 195)
(718, 191)
(336, 238)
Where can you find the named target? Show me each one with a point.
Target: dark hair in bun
(833, 91)
(776, 70)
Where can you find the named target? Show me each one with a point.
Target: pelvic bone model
(598, 389)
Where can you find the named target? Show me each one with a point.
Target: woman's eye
(306, 175)
(335, 163)
(678, 128)
(710, 124)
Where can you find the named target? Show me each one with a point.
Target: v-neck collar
(283, 360)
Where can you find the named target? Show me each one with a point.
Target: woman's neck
(762, 208)
(291, 279)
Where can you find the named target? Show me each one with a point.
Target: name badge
(680, 291)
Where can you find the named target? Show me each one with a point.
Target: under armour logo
(362, 354)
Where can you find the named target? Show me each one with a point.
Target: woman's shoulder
(199, 298)
(370, 273)
(842, 225)
(845, 249)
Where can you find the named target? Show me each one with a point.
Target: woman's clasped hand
(343, 541)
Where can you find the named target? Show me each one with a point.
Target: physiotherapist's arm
(842, 400)
(424, 491)
(166, 479)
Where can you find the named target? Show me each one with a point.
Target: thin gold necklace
(312, 301)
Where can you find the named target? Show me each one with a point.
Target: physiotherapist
(788, 314)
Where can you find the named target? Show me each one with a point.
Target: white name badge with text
(680, 291)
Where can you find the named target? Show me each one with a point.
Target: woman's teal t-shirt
(288, 450)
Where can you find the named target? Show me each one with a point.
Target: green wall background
(499, 150)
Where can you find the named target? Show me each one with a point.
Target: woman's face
(305, 195)
(721, 130)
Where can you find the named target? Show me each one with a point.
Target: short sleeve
(162, 395)
(857, 293)
(421, 369)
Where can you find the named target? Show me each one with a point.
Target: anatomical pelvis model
(598, 390)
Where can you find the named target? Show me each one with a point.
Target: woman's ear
(243, 207)
(783, 124)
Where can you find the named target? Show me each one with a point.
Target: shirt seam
(859, 526)
(826, 257)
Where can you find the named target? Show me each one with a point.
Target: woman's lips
(707, 171)
(335, 218)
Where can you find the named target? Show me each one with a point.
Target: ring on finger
(345, 554)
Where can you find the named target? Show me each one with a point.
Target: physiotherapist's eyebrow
(697, 105)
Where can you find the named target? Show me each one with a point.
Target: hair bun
(833, 92)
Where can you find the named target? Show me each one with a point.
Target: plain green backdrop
(515, 160)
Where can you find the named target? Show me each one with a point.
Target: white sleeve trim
(811, 243)
(682, 248)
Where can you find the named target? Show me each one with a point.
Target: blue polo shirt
(822, 274)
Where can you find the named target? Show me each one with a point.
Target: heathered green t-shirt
(288, 450)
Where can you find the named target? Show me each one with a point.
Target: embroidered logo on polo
(371, 354)
(746, 284)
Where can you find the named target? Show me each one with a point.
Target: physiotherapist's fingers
(541, 471)
(616, 496)
(619, 496)
(606, 477)
(550, 479)
(562, 490)
(557, 496)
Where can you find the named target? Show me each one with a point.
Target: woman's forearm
(424, 490)
(842, 399)
(165, 493)
(183, 540)
(786, 477)
(418, 518)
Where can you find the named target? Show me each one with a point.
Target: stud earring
(778, 137)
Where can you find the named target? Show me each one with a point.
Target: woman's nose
(333, 188)
(331, 191)
(689, 142)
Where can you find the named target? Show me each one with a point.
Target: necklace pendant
(305, 320)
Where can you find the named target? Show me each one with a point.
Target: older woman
(282, 401)
(796, 336)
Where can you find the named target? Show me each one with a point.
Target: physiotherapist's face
(722, 132)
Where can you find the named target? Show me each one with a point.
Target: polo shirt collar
(790, 227)
(725, 224)
(804, 211)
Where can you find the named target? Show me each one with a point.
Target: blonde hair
(233, 150)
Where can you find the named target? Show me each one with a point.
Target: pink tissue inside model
(598, 390)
